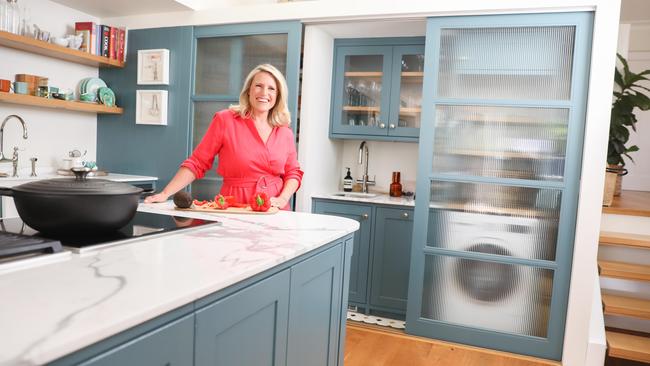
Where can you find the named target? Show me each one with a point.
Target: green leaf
(641, 101)
(633, 148)
(618, 78)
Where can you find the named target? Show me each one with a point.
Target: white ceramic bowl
(63, 42)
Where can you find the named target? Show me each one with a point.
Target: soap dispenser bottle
(348, 181)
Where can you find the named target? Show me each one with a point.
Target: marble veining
(57, 308)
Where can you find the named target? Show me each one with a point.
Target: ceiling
(631, 10)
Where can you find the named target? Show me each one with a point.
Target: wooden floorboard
(629, 347)
(627, 306)
(634, 203)
(624, 271)
(374, 346)
(625, 239)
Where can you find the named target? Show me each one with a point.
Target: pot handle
(4, 191)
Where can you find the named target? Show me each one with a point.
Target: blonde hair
(279, 115)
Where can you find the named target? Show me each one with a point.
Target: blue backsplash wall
(123, 146)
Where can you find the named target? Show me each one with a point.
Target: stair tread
(623, 270)
(625, 239)
(624, 305)
(627, 346)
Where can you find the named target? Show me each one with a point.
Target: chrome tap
(365, 180)
(2, 129)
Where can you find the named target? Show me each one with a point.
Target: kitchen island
(88, 307)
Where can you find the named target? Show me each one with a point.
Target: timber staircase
(626, 346)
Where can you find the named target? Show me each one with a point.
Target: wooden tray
(231, 210)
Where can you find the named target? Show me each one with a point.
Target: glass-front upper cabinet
(499, 168)
(377, 88)
(224, 55)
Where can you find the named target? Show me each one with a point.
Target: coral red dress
(246, 163)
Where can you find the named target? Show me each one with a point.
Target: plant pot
(620, 172)
(610, 186)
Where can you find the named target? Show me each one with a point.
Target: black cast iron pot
(71, 206)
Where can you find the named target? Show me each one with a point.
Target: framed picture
(153, 67)
(151, 107)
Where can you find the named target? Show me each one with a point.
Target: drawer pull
(382, 125)
(365, 216)
(392, 125)
(406, 215)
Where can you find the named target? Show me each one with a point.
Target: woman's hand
(279, 202)
(158, 197)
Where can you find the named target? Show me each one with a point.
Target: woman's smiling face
(262, 93)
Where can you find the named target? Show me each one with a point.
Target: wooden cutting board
(231, 210)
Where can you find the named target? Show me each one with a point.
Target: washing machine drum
(486, 281)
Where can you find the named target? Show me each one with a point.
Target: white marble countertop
(51, 174)
(53, 309)
(379, 198)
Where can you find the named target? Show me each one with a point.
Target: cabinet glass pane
(362, 85)
(508, 220)
(508, 62)
(504, 142)
(410, 94)
(210, 184)
(222, 63)
(489, 295)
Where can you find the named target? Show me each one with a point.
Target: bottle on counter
(348, 181)
(395, 189)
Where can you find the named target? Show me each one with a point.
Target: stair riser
(626, 322)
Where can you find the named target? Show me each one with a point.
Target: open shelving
(58, 104)
(51, 50)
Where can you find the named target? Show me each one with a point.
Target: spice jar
(395, 187)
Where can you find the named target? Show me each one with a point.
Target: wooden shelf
(410, 111)
(364, 74)
(58, 104)
(349, 108)
(412, 74)
(632, 203)
(51, 50)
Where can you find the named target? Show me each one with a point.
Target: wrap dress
(246, 163)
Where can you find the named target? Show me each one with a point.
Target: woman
(254, 143)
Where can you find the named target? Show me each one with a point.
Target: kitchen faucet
(2, 129)
(365, 180)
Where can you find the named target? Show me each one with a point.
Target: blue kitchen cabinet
(248, 327)
(171, 344)
(379, 275)
(391, 254)
(377, 88)
(315, 310)
(293, 314)
(358, 283)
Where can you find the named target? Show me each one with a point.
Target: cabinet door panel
(170, 345)
(360, 255)
(391, 258)
(255, 317)
(315, 304)
(361, 90)
(406, 93)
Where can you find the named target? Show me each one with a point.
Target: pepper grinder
(395, 187)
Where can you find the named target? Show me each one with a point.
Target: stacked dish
(92, 90)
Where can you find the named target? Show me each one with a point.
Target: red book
(122, 44)
(112, 50)
(87, 30)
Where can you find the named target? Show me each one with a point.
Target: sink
(354, 194)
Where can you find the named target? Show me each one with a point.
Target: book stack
(103, 40)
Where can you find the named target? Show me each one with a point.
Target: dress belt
(262, 182)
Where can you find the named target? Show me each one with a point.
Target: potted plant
(628, 95)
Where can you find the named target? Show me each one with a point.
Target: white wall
(638, 178)
(51, 132)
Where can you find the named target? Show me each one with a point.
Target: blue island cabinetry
(293, 314)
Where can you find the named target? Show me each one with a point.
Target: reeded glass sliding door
(224, 55)
(500, 153)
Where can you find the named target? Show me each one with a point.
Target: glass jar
(395, 189)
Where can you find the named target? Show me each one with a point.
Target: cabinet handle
(392, 125)
(406, 215)
(365, 216)
(382, 125)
